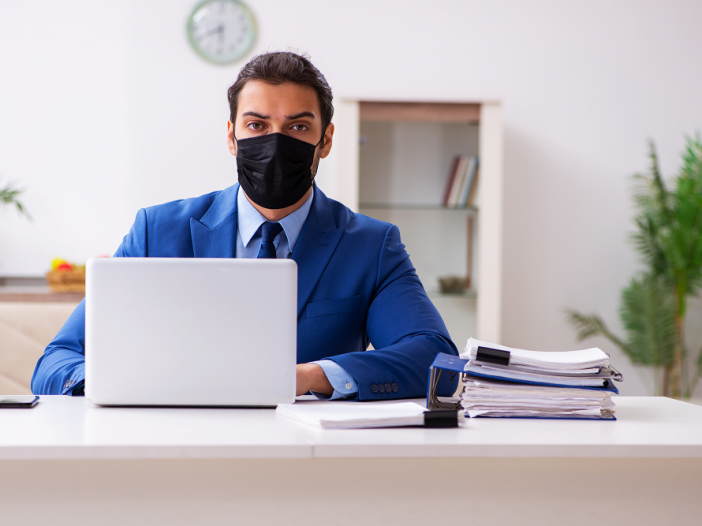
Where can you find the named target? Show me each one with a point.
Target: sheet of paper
(508, 374)
(576, 359)
(504, 398)
(349, 415)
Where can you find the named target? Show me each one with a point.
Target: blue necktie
(268, 232)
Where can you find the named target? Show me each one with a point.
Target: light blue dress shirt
(248, 243)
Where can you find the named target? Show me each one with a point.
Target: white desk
(66, 461)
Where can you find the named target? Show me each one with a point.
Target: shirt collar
(249, 220)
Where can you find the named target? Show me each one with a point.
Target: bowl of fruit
(66, 277)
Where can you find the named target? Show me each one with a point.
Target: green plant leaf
(668, 237)
(9, 196)
(647, 311)
(648, 315)
(589, 325)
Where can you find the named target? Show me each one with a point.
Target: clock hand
(221, 40)
(218, 29)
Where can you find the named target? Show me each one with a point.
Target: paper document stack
(352, 415)
(502, 381)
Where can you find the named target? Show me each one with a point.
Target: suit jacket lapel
(315, 246)
(214, 235)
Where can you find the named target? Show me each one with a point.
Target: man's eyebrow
(254, 114)
(300, 115)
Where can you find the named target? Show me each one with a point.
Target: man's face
(290, 109)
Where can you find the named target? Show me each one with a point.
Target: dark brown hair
(281, 67)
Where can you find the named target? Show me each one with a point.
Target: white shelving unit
(390, 160)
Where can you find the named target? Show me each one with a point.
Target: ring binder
(617, 375)
(443, 362)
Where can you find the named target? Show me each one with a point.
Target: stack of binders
(499, 381)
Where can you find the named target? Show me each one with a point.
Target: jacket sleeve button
(395, 387)
(388, 388)
(374, 388)
(381, 388)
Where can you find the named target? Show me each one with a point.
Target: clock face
(221, 31)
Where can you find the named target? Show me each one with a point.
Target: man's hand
(311, 377)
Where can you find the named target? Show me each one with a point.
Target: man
(356, 284)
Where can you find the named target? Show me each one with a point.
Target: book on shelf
(468, 182)
(449, 180)
(461, 182)
(473, 193)
(458, 181)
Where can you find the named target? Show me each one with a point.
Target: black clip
(441, 418)
(495, 356)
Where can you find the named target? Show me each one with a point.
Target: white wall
(104, 109)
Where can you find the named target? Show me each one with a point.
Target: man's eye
(255, 126)
(300, 127)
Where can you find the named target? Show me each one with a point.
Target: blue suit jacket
(356, 285)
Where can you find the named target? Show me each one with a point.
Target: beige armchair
(25, 330)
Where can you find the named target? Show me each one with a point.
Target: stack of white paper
(575, 384)
(352, 415)
(586, 368)
(498, 398)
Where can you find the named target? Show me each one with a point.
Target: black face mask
(275, 170)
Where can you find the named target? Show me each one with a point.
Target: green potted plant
(653, 305)
(9, 195)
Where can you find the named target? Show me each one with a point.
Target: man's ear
(327, 144)
(230, 138)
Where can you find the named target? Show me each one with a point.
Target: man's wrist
(311, 377)
(344, 385)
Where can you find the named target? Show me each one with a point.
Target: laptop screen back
(188, 331)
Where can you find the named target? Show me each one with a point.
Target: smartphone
(18, 400)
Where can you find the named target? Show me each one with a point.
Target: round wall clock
(221, 31)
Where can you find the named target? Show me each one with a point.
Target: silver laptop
(187, 331)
